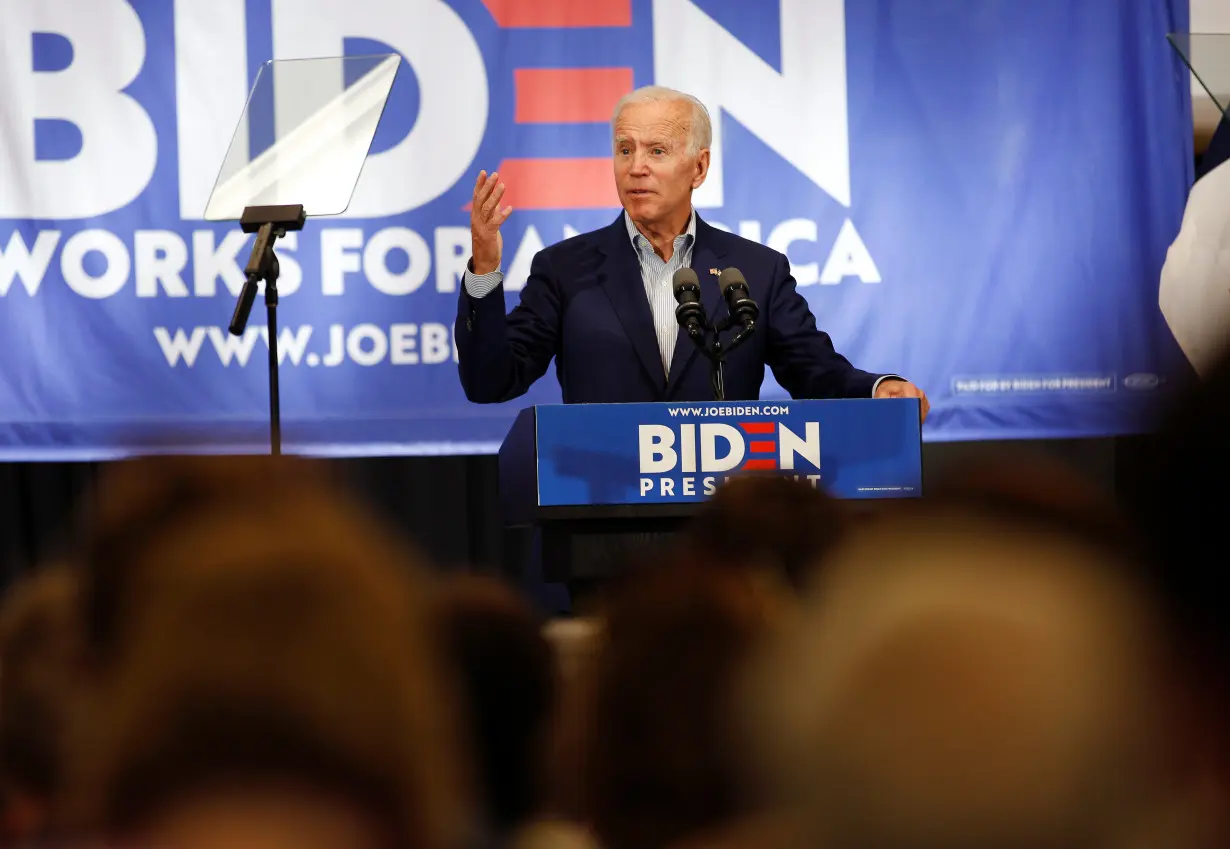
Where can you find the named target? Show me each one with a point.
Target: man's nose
(640, 163)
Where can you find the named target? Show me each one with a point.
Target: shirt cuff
(876, 385)
(481, 285)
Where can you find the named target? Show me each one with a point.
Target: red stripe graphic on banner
(758, 427)
(763, 447)
(517, 14)
(558, 184)
(569, 95)
(755, 465)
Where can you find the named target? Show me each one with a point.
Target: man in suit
(602, 304)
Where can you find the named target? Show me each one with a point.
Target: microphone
(738, 297)
(690, 314)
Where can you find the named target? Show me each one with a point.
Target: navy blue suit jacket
(585, 306)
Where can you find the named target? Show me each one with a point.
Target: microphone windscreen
(684, 279)
(731, 277)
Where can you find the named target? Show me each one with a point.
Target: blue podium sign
(616, 454)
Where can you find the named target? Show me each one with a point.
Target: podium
(598, 482)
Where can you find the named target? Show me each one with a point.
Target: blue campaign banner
(977, 194)
(661, 453)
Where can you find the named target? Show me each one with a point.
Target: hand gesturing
(486, 216)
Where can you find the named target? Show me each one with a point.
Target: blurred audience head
(507, 678)
(576, 643)
(658, 764)
(995, 665)
(39, 686)
(766, 521)
(143, 502)
(272, 673)
(1178, 505)
(963, 678)
(1035, 487)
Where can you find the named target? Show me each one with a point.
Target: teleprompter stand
(269, 223)
(299, 160)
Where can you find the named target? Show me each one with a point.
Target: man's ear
(702, 169)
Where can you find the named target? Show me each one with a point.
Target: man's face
(654, 172)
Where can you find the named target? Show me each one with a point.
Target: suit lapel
(706, 256)
(620, 277)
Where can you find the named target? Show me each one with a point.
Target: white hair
(700, 135)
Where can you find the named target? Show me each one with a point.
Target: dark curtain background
(449, 507)
(446, 505)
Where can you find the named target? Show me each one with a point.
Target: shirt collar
(635, 234)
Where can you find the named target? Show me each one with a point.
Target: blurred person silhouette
(657, 765)
(576, 643)
(507, 676)
(40, 665)
(1031, 486)
(1192, 292)
(769, 522)
(1178, 504)
(966, 677)
(267, 675)
(142, 500)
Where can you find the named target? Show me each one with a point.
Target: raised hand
(486, 216)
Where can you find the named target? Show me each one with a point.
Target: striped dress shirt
(656, 275)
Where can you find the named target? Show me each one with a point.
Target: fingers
(486, 211)
(924, 405)
(487, 186)
(482, 188)
(486, 218)
(492, 203)
(905, 389)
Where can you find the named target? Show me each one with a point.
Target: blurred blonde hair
(960, 679)
(276, 633)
